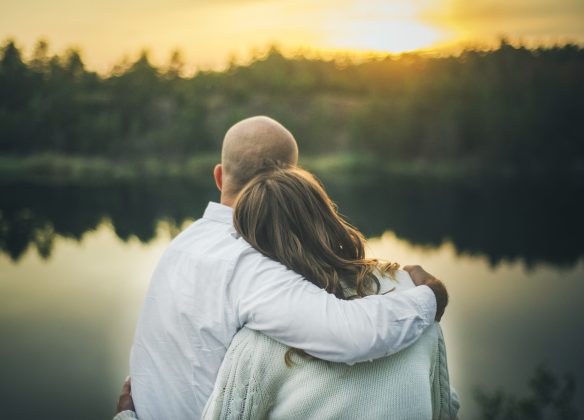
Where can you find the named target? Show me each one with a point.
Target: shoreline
(56, 169)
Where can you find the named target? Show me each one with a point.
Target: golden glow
(210, 32)
(393, 36)
(378, 25)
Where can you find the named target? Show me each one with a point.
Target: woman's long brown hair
(286, 215)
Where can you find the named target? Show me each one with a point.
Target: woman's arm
(445, 402)
(126, 415)
(245, 382)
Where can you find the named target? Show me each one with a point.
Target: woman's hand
(125, 401)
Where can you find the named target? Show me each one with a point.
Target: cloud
(537, 20)
(502, 9)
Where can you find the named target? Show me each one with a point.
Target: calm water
(75, 264)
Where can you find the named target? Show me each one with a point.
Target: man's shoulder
(208, 242)
(207, 238)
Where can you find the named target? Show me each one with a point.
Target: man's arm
(280, 303)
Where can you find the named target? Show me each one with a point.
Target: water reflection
(535, 221)
(35, 215)
(502, 321)
(67, 322)
(529, 220)
(75, 263)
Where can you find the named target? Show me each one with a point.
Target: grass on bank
(55, 169)
(61, 169)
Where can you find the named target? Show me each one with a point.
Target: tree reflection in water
(550, 397)
(532, 220)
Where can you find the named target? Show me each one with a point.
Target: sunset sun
(387, 36)
(396, 27)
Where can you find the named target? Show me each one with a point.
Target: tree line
(510, 106)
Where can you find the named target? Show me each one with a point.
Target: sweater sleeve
(126, 415)
(445, 401)
(239, 387)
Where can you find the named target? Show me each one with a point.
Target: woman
(286, 215)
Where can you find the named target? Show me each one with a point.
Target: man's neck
(227, 201)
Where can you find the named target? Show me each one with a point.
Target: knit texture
(126, 415)
(254, 383)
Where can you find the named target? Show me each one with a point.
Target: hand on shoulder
(421, 277)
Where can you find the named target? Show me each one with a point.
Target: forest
(512, 107)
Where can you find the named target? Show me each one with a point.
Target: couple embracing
(267, 307)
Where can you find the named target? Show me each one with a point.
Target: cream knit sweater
(254, 383)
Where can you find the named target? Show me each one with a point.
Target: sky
(211, 32)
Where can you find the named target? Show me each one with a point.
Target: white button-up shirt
(210, 282)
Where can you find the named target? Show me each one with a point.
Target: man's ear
(218, 175)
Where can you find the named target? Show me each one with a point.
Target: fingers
(127, 386)
(410, 268)
(125, 401)
(418, 273)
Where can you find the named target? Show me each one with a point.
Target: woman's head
(286, 214)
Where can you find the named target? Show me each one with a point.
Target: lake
(75, 264)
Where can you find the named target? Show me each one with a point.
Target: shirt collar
(219, 213)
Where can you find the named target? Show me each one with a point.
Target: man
(210, 283)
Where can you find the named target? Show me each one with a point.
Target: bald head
(248, 145)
